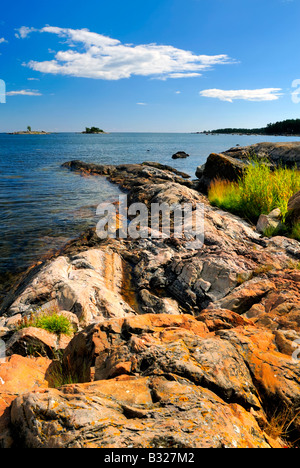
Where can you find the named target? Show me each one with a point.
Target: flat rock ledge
(175, 347)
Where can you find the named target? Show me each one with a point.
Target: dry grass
(281, 425)
(61, 372)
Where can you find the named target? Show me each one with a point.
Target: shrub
(260, 191)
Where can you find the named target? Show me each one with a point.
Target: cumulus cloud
(92, 55)
(23, 32)
(184, 75)
(177, 76)
(24, 92)
(2, 40)
(257, 95)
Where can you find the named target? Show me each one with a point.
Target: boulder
(18, 375)
(269, 224)
(36, 342)
(220, 166)
(180, 155)
(200, 171)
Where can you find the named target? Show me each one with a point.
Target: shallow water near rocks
(43, 205)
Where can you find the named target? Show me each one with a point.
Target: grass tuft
(53, 322)
(260, 191)
(296, 232)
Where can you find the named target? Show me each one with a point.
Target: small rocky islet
(172, 347)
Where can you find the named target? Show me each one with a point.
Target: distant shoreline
(289, 128)
(247, 134)
(29, 133)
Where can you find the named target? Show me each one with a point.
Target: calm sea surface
(42, 205)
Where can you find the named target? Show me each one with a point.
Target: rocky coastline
(173, 347)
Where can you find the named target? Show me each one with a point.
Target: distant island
(285, 128)
(93, 131)
(29, 131)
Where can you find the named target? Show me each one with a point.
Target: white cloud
(33, 79)
(177, 92)
(257, 95)
(141, 104)
(24, 31)
(92, 55)
(24, 92)
(177, 76)
(184, 75)
(2, 40)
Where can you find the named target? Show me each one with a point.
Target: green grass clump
(271, 232)
(296, 232)
(260, 191)
(52, 322)
(225, 195)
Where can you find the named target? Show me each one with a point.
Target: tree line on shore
(286, 127)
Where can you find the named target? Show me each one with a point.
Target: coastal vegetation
(286, 127)
(259, 191)
(93, 130)
(29, 131)
(61, 373)
(296, 233)
(51, 321)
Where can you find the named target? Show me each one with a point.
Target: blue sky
(159, 65)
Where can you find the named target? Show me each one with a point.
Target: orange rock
(152, 322)
(18, 375)
(147, 412)
(276, 375)
(163, 344)
(21, 374)
(222, 319)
